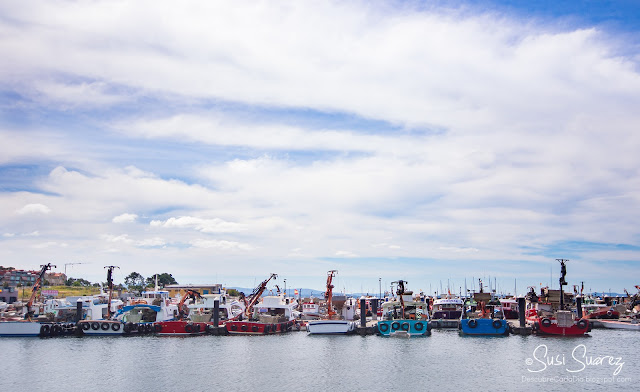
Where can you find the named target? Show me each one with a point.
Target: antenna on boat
(563, 282)
(110, 286)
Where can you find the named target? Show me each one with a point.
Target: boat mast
(400, 293)
(563, 282)
(328, 295)
(110, 286)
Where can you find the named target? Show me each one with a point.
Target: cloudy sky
(420, 140)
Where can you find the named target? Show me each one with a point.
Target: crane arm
(36, 287)
(328, 295)
(188, 294)
(256, 294)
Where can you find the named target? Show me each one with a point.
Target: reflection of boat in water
(404, 317)
(331, 323)
(483, 321)
(552, 317)
(272, 314)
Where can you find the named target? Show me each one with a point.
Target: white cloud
(345, 253)
(221, 245)
(49, 244)
(33, 209)
(125, 218)
(214, 225)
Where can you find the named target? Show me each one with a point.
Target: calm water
(444, 361)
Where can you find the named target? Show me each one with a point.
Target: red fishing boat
(550, 316)
(265, 315)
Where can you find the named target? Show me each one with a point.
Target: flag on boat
(295, 291)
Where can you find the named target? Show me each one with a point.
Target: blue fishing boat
(481, 320)
(404, 317)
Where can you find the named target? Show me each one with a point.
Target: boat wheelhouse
(447, 308)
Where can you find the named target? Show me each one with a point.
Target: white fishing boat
(28, 326)
(632, 325)
(330, 324)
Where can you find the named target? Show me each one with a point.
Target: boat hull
(182, 328)
(611, 324)
(605, 314)
(486, 327)
(20, 328)
(330, 327)
(101, 327)
(549, 327)
(257, 328)
(404, 327)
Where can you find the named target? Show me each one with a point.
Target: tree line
(133, 282)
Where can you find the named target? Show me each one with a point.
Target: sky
(438, 142)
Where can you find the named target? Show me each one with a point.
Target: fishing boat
(271, 314)
(198, 317)
(331, 323)
(28, 327)
(98, 312)
(548, 315)
(600, 311)
(508, 308)
(483, 320)
(404, 317)
(311, 310)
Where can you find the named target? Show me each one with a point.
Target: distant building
(56, 278)
(8, 294)
(12, 277)
(179, 289)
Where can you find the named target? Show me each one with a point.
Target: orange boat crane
(36, 287)
(328, 295)
(188, 294)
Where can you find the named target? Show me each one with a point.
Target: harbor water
(297, 361)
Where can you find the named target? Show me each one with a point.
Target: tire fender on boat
(244, 328)
(115, 326)
(582, 324)
(86, 326)
(44, 329)
(497, 324)
(418, 326)
(95, 325)
(383, 327)
(395, 325)
(405, 326)
(157, 328)
(104, 326)
(473, 323)
(545, 322)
